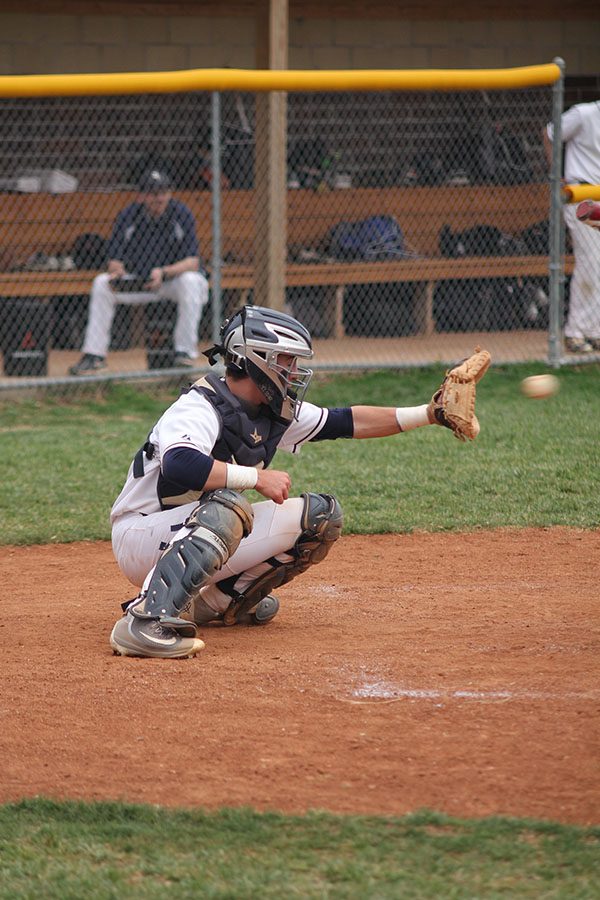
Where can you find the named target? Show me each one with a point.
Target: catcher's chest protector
(247, 440)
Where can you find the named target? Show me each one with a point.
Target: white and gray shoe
(132, 636)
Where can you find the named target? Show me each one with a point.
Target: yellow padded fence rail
(281, 80)
(575, 193)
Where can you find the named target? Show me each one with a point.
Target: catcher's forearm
(381, 421)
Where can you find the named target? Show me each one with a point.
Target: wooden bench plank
(56, 284)
(241, 277)
(415, 270)
(335, 277)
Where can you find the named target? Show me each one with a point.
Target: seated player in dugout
(182, 529)
(153, 255)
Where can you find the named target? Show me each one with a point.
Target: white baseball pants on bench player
(138, 542)
(189, 291)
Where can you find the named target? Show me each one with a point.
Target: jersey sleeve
(305, 428)
(570, 123)
(190, 422)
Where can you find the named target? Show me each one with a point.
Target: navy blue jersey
(143, 243)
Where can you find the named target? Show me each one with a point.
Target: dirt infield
(385, 685)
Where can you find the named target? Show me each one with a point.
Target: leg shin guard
(215, 529)
(322, 521)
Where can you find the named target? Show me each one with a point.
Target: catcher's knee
(226, 513)
(215, 528)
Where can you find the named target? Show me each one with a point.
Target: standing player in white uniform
(182, 529)
(580, 127)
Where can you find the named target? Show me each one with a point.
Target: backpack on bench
(375, 238)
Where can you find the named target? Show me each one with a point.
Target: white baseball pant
(189, 291)
(584, 295)
(137, 542)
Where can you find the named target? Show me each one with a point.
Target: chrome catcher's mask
(265, 345)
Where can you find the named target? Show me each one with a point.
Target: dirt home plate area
(453, 672)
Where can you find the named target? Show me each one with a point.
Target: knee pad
(321, 524)
(225, 513)
(216, 527)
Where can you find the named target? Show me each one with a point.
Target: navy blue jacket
(142, 243)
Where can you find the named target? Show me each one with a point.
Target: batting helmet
(253, 340)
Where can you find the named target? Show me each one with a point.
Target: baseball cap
(154, 181)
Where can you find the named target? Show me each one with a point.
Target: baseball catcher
(183, 531)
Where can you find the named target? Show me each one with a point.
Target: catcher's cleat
(132, 636)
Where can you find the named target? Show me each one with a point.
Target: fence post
(556, 264)
(217, 237)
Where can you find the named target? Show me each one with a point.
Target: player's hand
(155, 280)
(273, 484)
(116, 269)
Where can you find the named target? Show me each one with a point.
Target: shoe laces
(154, 627)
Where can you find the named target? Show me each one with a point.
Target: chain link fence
(414, 226)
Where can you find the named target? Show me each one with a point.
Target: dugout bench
(51, 224)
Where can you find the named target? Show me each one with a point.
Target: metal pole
(556, 249)
(215, 280)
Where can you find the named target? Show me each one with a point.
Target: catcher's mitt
(453, 405)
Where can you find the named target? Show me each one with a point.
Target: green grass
(535, 462)
(105, 850)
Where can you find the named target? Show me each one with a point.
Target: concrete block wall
(31, 44)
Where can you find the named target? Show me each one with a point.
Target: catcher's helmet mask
(253, 340)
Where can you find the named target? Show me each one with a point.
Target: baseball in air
(538, 387)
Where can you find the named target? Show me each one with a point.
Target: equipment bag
(25, 336)
(378, 237)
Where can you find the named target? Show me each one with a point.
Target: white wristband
(409, 417)
(241, 478)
